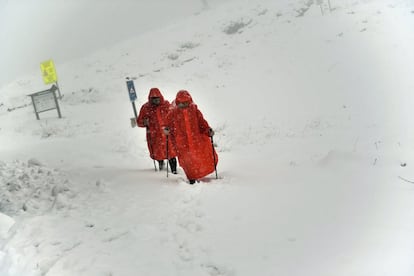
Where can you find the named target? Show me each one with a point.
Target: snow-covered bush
(31, 187)
(236, 26)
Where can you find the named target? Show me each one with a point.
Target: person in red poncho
(191, 135)
(152, 116)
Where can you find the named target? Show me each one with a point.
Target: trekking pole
(214, 156)
(168, 160)
(150, 143)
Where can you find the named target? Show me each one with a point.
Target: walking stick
(168, 160)
(150, 143)
(214, 156)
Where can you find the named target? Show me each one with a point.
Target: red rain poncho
(190, 133)
(156, 115)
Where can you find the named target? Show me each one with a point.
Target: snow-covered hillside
(38, 30)
(316, 148)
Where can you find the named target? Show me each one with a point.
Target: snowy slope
(312, 118)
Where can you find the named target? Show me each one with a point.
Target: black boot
(191, 181)
(173, 165)
(161, 164)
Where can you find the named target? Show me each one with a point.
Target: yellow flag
(48, 71)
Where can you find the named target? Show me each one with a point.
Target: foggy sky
(34, 31)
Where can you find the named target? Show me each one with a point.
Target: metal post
(60, 95)
(34, 106)
(168, 160)
(57, 104)
(214, 156)
(150, 143)
(135, 110)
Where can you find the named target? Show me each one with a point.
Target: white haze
(34, 31)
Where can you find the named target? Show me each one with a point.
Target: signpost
(132, 95)
(49, 74)
(45, 100)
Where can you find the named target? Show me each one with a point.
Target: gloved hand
(211, 132)
(166, 131)
(146, 122)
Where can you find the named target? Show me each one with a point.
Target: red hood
(155, 92)
(183, 96)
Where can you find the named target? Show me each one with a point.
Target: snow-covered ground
(313, 125)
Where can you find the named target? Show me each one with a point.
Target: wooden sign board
(45, 100)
